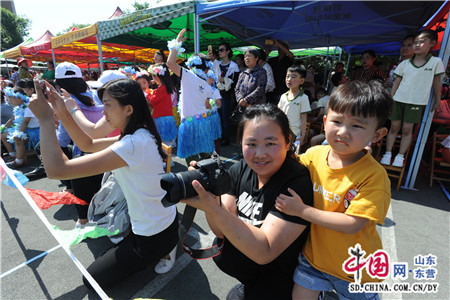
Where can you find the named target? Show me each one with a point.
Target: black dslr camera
(210, 173)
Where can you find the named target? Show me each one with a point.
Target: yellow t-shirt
(362, 189)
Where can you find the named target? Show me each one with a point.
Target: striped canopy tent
(15, 51)
(85, 41)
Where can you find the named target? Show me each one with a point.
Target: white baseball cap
(107, 76)
(67, 70)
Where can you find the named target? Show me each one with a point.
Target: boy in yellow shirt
(351, 192)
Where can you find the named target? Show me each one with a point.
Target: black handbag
(236, 115)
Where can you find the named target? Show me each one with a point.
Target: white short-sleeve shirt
(141, 183)
(194, 92)
(416, 83)
(293, 109)
(323, 102)
(34, 122)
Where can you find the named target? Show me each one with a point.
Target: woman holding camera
(135, 158)
(261, 244)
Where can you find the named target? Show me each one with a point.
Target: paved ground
(418, 223)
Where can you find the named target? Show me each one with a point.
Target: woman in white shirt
(135, 158)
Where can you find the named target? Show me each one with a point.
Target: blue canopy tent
(308, 24)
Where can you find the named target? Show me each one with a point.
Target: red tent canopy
(117, 13)
(438, 23)
(42, 43)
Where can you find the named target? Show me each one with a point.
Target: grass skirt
(167, 128)
(33, 137)
(195, 136)
(215, 124)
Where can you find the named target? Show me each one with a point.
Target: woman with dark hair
(369, 70)
(161, 101)
(251, 86)
(159, 57)
(228, 72)
(260, 244)
(136, 160)
(49, 74)
(69, 77)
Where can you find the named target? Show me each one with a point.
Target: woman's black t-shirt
(272, 280)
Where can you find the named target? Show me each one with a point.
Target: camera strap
(185, 226)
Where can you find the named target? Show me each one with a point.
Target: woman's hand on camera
(39, 105)
(205, 200)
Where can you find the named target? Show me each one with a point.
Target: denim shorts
(309, 277)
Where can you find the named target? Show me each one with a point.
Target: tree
(14, 28)
(79, 26)
(138, 6)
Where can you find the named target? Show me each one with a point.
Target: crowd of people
(290, 216)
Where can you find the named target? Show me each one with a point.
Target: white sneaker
(165, 265)
(386, 160)
(398, 161)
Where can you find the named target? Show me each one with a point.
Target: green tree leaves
(13, 29)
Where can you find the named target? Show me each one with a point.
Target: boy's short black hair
(431, 34)
(370, 52)
(362, 98)
(321, 91)
(262, 55)
(298, 68)
(336, 78)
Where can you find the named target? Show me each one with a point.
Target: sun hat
(106, 76)
(22, 59)
(67, 70)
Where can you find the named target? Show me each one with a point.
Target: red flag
(45, 199)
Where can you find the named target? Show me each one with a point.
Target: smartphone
(269, 42)
(210, 48)
(43, 88)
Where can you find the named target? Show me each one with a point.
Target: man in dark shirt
(279, 65)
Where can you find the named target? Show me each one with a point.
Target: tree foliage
(79, 26)
(138, 6)
(14, 28)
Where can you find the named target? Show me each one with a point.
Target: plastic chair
(440, 169)
(168, 160)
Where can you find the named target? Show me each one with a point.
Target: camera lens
(179, 186)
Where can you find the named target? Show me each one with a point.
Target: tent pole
(196, 33)
(54, 59)
(444, 54)
(332, 67)
(326, 65)
(348, 63)
(100, 54)
(340, 54)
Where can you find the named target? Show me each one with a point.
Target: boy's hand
(181, 37)
(291, 205)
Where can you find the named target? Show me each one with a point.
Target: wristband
(174, 45)
(74, 110)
